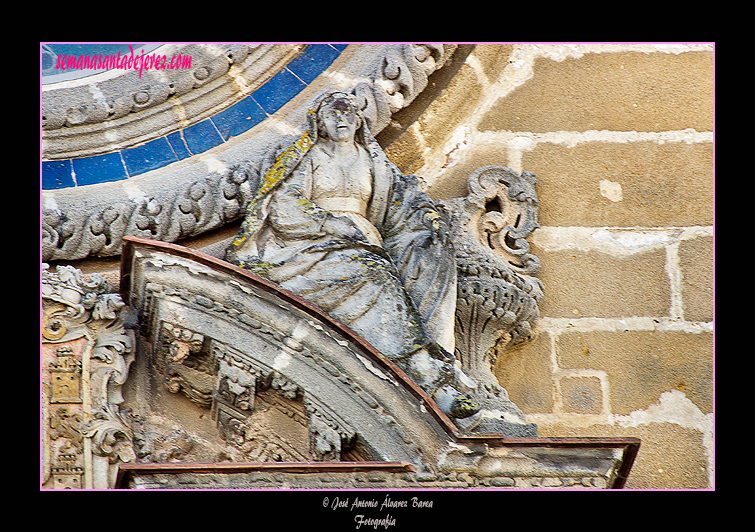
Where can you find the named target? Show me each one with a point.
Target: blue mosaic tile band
(199, 137)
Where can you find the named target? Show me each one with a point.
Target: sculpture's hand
(437, 226)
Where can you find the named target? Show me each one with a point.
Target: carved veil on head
(288, 158)
(336, 98)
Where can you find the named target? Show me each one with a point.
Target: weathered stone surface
(493, 58)
(669, 184)
(581, 395)
(472, 157)
(644, 364)
(601, 163)
(611, 91)
(595, 284)
(204, 192)
(525, 372)
(566, 464)
(672, 456)
(696, 263)
(286, 372)
(86, 354)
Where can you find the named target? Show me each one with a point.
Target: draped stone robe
(368, 247)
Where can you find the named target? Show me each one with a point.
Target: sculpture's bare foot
(463, 407)
(455, 404)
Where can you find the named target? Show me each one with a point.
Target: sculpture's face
(339, 120)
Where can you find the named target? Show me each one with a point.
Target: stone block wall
(621, 139)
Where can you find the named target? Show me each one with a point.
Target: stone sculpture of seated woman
(338, 224)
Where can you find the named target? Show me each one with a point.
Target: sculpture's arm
(294, 216)
(412, 217)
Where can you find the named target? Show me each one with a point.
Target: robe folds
(397, 291)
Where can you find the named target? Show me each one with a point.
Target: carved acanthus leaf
(111, 437)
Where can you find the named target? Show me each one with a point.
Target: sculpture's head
(338, 117)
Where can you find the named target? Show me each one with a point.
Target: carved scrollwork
(510, 206)
(111, 436)
(197, 207)
(95, 111)
(185, 365)
(497, 294)
(73, 301)
(402, 74)
(76, 308)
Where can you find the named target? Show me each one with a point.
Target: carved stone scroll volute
(497, 295)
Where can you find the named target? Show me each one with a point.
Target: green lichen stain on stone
(433, 216)
(464, 407)
(369, 263)
(308, 207)
(259, 267)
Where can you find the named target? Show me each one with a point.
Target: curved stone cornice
(207, 190)
(261, 333)
(255, 336)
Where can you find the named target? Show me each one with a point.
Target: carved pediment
(276, 378)
(291, 384)
(223, 337)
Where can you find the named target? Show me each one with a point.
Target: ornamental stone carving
(205, 193)
(352, 320)
(185, 366)
(86, 355)
(339, 225)
(130, 92)
(336, 223)
(498, 295)
(296, 392)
